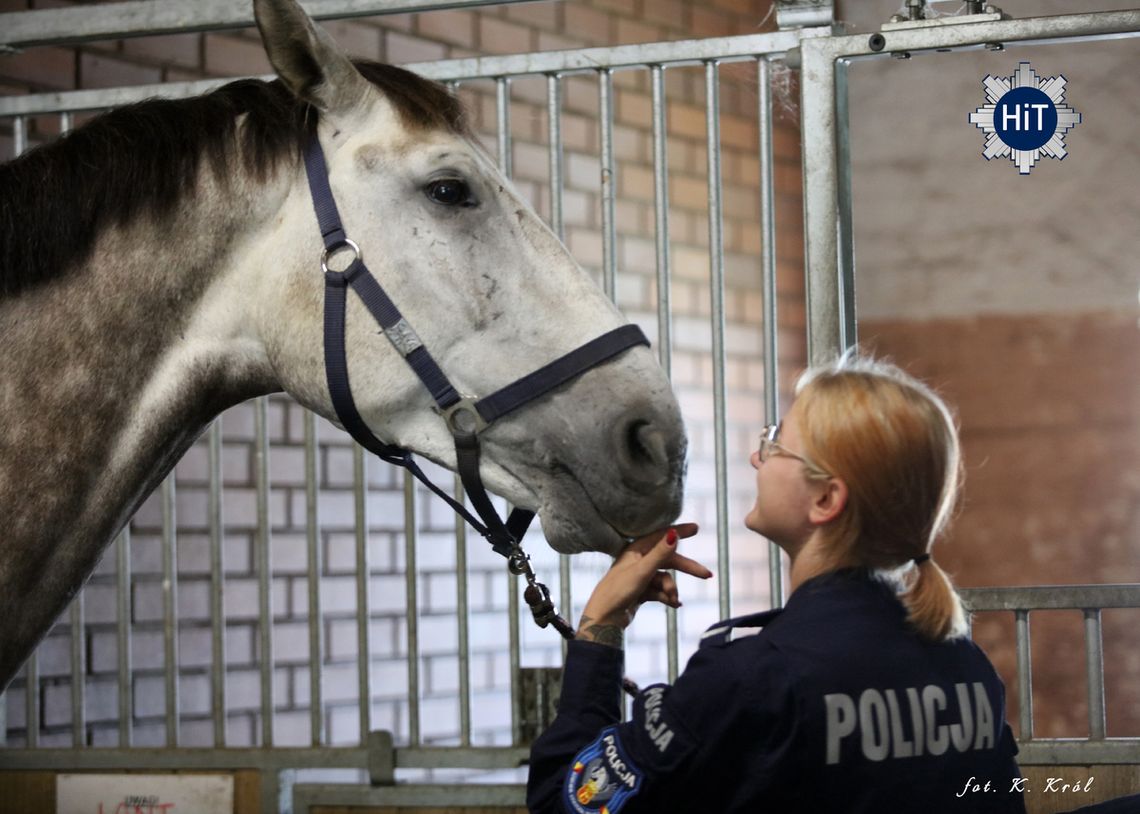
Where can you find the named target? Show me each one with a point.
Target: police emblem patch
(602, 777)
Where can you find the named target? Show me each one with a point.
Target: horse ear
(306, 58)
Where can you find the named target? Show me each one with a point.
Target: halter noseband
(466, 416)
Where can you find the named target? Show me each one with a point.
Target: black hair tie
(921, 558)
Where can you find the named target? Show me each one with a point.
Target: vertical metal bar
(313, 541)
(19, 135)
(554, 120)
(1094, 670)
(170, 608)
(768, 286)
(664, 288)
(78, 622)
(820, 161)
(554, 131)
(32, 667)
(716, 282)
(217, 583)
(1024, 676)
(503, 112)
(609, 235)
(265, 566)
(848, 334)
(461, 610)
(363, 603)
(123, 592)
(413, 609)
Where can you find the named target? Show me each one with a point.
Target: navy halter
(466, 416)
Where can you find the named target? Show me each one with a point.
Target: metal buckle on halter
(329, 252)
(463, 418)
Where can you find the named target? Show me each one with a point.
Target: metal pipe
(264, 565)
(769, 290)
(1024, 676)
(140, 18)
(848, 333)
(313, 543)
(217, 583)
(664, 289)
(32, 666)
(1094, 670)
(410, 534)
(170, 608)
(363, 604)
(123, 597)
(461, 614)
(609, 233)
(554, 136)
(716, 283)
(503, 119)
(77, 620)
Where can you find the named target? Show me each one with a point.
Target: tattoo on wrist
(609, 635)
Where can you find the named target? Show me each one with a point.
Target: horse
(162, 263)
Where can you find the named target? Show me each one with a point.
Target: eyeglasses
(769, 447)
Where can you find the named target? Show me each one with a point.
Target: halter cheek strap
(466, 417)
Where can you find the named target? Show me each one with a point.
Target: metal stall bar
(142, 18)
(664, 288)
(829, 294)
(314, 562)
(32, 667)
(716, 283)
(768, 288)
(684, 52)
(264, 565)
(1024, 676)
(77, 620)
(170, 608)
(606, 138)
(217, 583)
(1094, 672)
(554, 137)
(123, 597)
(363, 589)
(410, 576)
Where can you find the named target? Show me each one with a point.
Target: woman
(863, 694)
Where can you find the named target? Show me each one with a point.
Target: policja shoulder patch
(602, 777)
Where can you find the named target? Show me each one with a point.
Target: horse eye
(450, 192)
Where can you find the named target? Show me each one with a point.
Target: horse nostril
(643, 452)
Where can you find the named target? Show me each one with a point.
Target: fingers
(688, 566)
(662, 588)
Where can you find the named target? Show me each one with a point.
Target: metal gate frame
(830, 280)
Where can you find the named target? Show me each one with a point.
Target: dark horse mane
(144, 158)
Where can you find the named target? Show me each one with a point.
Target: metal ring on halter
(329, 252)
(463, 418)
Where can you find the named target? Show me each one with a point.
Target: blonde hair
(893, 441)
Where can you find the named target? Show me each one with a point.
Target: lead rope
(537, 597)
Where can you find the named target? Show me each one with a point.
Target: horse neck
(109, 374)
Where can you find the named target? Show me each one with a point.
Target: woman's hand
(638, 575)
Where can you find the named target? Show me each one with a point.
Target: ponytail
(934, 608)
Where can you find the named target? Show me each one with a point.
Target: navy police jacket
(836, 706)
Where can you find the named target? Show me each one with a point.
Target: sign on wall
(144, 794)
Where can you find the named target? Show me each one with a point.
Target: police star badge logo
(1025, 117)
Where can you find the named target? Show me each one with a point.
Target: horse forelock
(143, 160)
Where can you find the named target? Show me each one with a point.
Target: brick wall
(411, 38)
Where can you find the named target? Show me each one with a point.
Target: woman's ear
(829, 502)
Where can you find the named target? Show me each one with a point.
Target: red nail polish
(671, 537)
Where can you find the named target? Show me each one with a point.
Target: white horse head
(489, 288)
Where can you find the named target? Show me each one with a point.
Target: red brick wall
(1050, 413)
